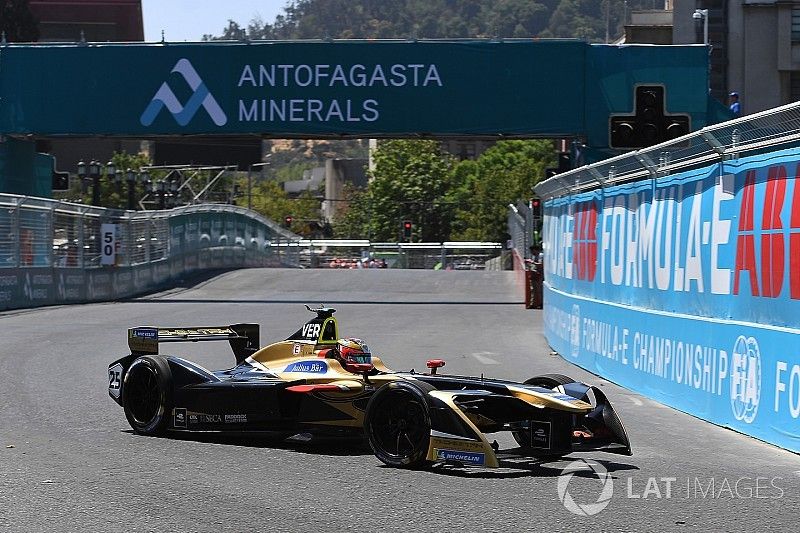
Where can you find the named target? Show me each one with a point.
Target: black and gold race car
(314, 383)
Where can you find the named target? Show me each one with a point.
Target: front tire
(398, 425)
(147, 395)
(547, 381)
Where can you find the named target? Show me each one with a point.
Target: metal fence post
(81, 231)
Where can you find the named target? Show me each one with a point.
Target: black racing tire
(147, 395)
(549, 381)
(397, 424)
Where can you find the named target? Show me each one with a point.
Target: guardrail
(720, 142)
(344, 253)
(58, 252)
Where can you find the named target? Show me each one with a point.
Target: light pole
(82, 176)
(130, 177)
(173, 192)
(161, 191)
(698, 15)
(94, 175)
(111, 173)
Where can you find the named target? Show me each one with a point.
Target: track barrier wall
(686, 288)
(59, 253)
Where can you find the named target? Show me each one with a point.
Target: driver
(353, 354)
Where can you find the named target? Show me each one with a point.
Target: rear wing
(243, 338)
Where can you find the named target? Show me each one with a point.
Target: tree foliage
(430, 19)
(444, 199)
(17, 21)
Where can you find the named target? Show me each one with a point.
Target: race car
(316, 384)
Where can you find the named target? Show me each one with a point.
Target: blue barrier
(687, 289)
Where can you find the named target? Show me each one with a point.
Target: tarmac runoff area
(69, 461)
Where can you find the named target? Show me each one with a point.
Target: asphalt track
(68, 461)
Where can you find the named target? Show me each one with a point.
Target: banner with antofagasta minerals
(687, 289)
(357, 88)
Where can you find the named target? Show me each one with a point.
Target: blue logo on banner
(461, 457)
(309, 367)
(201, 97)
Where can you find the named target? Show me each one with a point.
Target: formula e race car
(314, 384)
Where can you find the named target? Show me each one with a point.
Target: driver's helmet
(354, 355)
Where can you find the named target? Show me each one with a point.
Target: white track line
(484, 359)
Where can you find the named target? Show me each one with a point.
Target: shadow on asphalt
(305, 301)
(332, 446)
(520, 468)
(355, 447)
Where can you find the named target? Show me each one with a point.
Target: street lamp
(701, 15)
(94, 175)
(111, 172)
(161, 188)
(130, 177)
(173, 192)
(82, 176)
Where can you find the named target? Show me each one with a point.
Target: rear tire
(397, 424)
(147, 395)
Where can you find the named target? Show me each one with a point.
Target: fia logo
(201, 97)
(311, 331)
(745, 379)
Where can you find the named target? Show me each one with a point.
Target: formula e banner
(746, 377)
(720, 242)
(687, 289)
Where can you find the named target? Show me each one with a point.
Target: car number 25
(115, 380)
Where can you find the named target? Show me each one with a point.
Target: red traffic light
(407, 224)
(287, 220)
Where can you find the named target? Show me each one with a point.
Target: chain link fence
(55, 252)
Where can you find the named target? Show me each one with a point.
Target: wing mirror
(434, 364)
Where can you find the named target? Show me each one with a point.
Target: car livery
(297, 386)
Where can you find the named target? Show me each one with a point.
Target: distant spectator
(735, 106)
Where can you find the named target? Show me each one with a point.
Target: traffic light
(407, 228)
(60, 181)
(650, 124)
(287, 221)
(536, 207)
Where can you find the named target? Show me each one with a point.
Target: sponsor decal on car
(179, 417)
(462, 457)
(309, 367)
(145, 333)
(115, 380)
(540, 434)
(235, 419)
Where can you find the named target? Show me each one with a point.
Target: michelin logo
(201, 96)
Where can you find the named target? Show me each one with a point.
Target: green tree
(17, 21)
(502, 175)
(271, 200)
(409, 182)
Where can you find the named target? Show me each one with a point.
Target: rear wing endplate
(243, 338)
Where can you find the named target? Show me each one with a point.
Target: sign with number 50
(108, 244)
